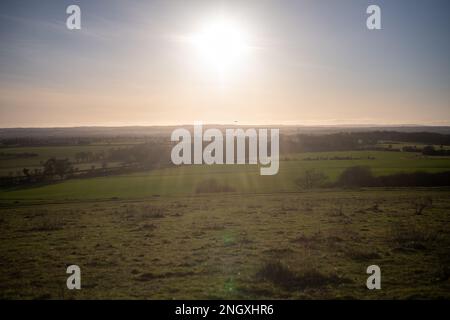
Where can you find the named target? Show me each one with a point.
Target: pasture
(272, 246)
(183, 180)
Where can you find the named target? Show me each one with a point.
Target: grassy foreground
(296, 245)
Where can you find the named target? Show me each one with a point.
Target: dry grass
(209, 246)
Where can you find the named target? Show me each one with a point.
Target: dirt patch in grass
(282, 275)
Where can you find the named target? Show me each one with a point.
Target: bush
(423, 203)
(362, 177)
(415, 179)
(358, 176)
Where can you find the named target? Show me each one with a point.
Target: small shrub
(423, 203)
(375, 208)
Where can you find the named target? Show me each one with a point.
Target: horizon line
(229, 124)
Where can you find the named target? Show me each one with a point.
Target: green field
(244, 179)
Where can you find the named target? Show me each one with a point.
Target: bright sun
(221, 44)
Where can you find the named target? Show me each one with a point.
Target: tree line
(133, 158)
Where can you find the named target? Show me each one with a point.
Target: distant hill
(144, 131)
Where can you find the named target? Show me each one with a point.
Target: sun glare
(221, 44)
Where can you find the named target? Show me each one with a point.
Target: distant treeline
(347, 141)
(133, 158)
(360, 176)
(8, 156)
(343, 141)
(50, 141)
(131, 154)
(337, 158)
(73, 141)
(415, 137)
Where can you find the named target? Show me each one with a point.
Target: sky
(299, 62)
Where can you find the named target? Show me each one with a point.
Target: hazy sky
(306, 62)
